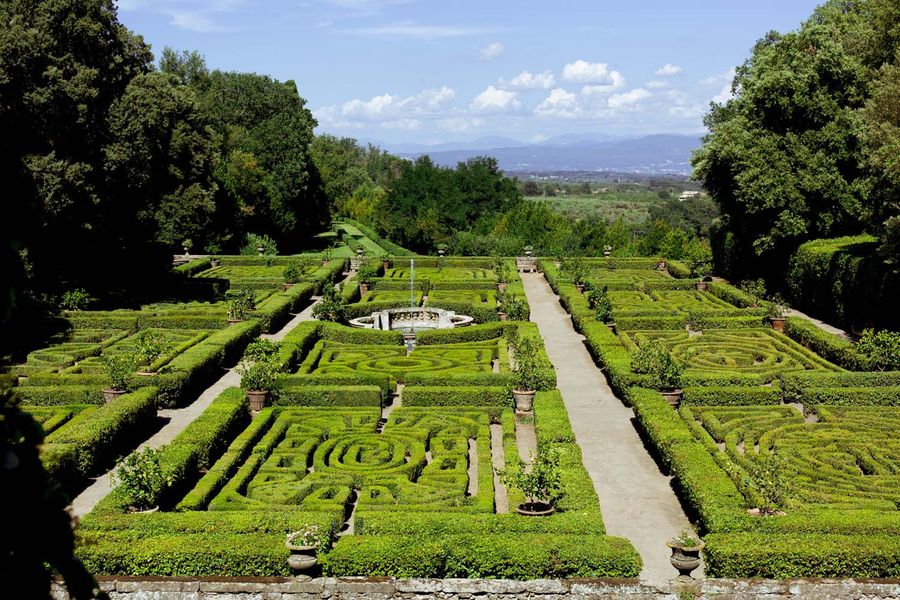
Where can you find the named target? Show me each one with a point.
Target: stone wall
(276, 588)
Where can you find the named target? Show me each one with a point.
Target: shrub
(881, 349)
(772, 481)
(140, 478)
(292, 273)
(367, 272)
(151, 344)
(653, 358)
(240, 305)
(120, 370)
(529, 372)
(77, 299)
(541, 482)
(456, 396)
(258, 374)
(254, 241)
(755, 290)
(329, 308)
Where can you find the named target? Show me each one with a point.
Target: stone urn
(777, 323)
(501, 287)
(213, 263)
(685, 559)
(260, 249)
(501, 315)
(579, 287)
(258, 399)
(302, 558)
(524, 400)
(363, 288)
(673, 397)
(701, 286)
(386, 264)
(286, 286)
(612, 327)
(109, 394)
(661, 265)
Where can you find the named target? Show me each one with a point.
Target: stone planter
(612, 327)
(109, 394)
(324, 262)
(441, 252)
(302, 558)
(363, 288)
(501, 287)
(258, 399)
(777, 323)
(501, 315)
(213, 263)
(147, 373)
(386, 264)
(685, 559)
(673, 397)
(701, 286)
(524, 400)
(536, 509)
(661, 265)
(286, 286)
(579, 287)
(233, 321)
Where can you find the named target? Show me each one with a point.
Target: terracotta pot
(324, 262)
(612, 327)
(502, 287)
(363, 288)
(661, 265)
(386, 264)
(684, 559)
(109, 394)
(579, 287)
(777, 323)
(524, 400)
(501, 315)
(258, 399)
(536, 509)
(286, 286)
(673, 397)
(701, 286)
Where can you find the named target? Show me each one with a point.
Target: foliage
(776, 307)
(599, 302)
(516, 308)
(541, 482)
(526, 374)
(881, 349)
(260, 349)
(330, 308)
(77, 299)
(151, 344)
(654, 359)
(685, 539)
(755, 289)
(312, 535)
(772, 481)
(292, 273)
(120, 370)
(141, 478)
(258, 374)
(254, 241)
(38, 540)
(367, 272)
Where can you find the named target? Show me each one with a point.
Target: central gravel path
(635, 497)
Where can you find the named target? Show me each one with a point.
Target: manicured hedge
(831, 347)
(522, 556)
(810, 555)
(456, 396)
(198, 265)
(454, 379)
(329, 395)
(733, 396)
(92, 440)
(851, 396)
(59, 394)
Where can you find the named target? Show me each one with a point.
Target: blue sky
(435, 71)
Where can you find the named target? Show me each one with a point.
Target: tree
(783, 158)
(531, 188)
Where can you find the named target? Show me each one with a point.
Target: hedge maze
(401, 487)
(791, 420)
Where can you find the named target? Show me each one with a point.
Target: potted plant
(330, 307)
(120, 369)
(214, 262)
(442, 249)
(653, 359)
(579, 275)
(526, 376)
(771, 483)
(186, 245)
(258, 369)
(661, 265)
(366, 274)
(385, 261)
(150, 345)
(501, 270)
(141, 479)
(599, 302)
(240, 305)
(686, 549)
(327, 253)
(607, 250)
(529, 250)
(703, 284)
(755, 289)
(541, 483)
(513, 308)
(291, 275)
(77, 299)
(303, 545)
(775, 310)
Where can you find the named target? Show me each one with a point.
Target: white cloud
(719, 78)
(491, 51)
(658, 85)
(723, 96)
(389, 108)
(365, 7)
(402, 124)
(495, 100)
(531, 81)
(411, 29)
(560, 103)
(668, 69)
(582, 71)
(616, 81)
(628, 99)
(202, 16)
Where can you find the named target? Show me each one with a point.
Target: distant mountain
(663, 153)
(482, 143)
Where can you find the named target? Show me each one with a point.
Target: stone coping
(349, 588)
